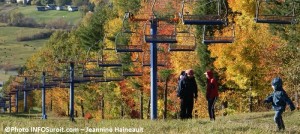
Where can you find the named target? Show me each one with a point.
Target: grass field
(248, 123)
(17, 52)
(45, 16)
(14, 53)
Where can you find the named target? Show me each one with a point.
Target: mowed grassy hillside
(248, 123)
(14, 53)
(71, 18)
(43, 16)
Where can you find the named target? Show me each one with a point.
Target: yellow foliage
(183, 61)
(113, 26)
(248, 53)
(244, 6)
(86, 19)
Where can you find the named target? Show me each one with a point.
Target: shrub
(18, 19)
(57, 24)
(4, 17)
(40, 35)
(28, 22)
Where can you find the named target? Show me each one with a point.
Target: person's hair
(181, 74)
(189, 72)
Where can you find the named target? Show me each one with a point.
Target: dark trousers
(278, 119)
(186, 108)
(211, 108)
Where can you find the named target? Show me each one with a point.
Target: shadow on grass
(267, 115)
(34, 112)
(204, 122)
(254, 117)
(235, 129)
(21, 115)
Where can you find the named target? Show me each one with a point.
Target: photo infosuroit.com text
(72, 130)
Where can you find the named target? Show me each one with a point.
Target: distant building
(72, 8)
(8, 1)
(25, 2)
(51, 7)
(41, 8)
(59, 8)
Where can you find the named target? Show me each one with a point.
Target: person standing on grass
(279, 99)
(181, 76)
(211, 93)
(187, 91)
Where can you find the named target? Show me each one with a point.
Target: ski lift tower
(71, 79)
(151, 16)
(26, 77)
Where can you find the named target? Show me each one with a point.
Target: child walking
(279, 99)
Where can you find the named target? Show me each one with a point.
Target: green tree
(79, 2)
(127, 5)
(206, 61)
(62, 2)
(165, 76)
(93, 33)
(16, 18)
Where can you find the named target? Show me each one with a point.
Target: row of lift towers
(180, 40)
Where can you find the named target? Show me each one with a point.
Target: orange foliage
(88, 116)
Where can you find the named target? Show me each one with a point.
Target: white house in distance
(25, 2)
(72, 8)
(59, 8)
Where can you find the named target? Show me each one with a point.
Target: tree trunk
(165, 100)
(102, 108)
(82, 108)
(141, 104)
(148, 115)
(296, 99)
(122, 111)
(68, 109)
(224, 106)
(251, 103)
(51, 103)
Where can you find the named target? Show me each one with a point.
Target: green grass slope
(248, 123)
(43, 16)
(14, 53)
(50, 15)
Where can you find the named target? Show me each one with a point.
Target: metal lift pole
(72, 91)
(9, 104)
(44, 116)
(153, 66)
(25, 95)
(17, 104)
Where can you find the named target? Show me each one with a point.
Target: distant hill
(43, 16)
(13, 53)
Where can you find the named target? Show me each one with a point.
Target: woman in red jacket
(211, 93)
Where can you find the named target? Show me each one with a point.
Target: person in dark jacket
(181, 76)
(279, 99)
(211, 93)
(187, 91)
